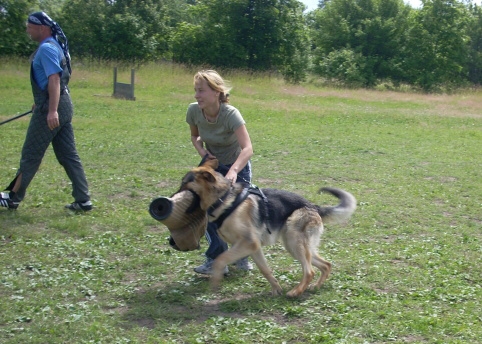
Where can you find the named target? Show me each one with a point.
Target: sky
(312, 4)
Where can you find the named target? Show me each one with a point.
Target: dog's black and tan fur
(256, 223)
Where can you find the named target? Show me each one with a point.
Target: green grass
(406, 269)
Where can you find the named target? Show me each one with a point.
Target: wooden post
(132, 84)
(115, 79)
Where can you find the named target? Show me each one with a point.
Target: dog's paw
(215, 282)
(294, 292)
(314, 287)
(276, 291)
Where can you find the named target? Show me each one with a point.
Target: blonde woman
(218, 131)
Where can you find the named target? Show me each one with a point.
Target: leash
(18, 116)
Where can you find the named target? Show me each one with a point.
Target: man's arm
(54, 98)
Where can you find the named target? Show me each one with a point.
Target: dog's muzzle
(161, 208)
(184, 218)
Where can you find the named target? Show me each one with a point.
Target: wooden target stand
(123, 90)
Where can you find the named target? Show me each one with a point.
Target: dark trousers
(216, 245)
(38, 139)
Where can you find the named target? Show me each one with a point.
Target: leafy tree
(369, 33)
(275, 37)
(344, 66)
(226, 30)
(83, 21)
(187, 44)
(132, 30)
(189, 39)
(178, 11)
(474, 31)
(354, 42)
(13, 16)
(126, 37)
(144, 26)
(52, 7)
(253, 34)
(437, 50)
(294, 50)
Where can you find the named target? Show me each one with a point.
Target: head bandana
(41, 18)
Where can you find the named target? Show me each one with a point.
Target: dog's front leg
(236, 252)
(260, 260)
(217, 274)
(224, 259)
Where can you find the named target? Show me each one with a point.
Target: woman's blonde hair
(215, 82)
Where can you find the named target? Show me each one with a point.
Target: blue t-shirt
(47, 61)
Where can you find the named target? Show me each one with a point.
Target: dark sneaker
(6, 202)
(77, 206)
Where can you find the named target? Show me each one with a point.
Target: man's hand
(53, 120)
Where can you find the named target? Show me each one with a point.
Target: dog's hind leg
(304, 257)
(303, 231)
(324, 266)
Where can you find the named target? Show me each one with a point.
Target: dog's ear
(213, 163)
(189, 177)
(208, 176)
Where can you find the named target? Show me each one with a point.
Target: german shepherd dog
(250, 220)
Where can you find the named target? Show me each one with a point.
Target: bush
(343, 65)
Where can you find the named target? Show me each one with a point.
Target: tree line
(357, 43)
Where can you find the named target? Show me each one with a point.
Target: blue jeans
(216, 245)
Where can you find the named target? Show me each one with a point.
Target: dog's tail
(342, 211)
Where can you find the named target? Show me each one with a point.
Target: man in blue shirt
(51, 121)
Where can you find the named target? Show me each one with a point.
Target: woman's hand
(231, 176)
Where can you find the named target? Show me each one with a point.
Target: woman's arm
(246, 153)
(198, 143)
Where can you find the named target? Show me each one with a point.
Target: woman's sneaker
(6, 202)
(207, 267)
(244, 264)
(76, 206)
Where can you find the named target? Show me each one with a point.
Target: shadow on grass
(187, 303)
(21, 223)
(15, 216)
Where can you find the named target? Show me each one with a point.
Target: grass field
(406, 269)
